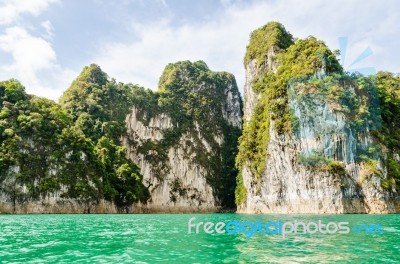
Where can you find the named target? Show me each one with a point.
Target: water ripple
(164, 239)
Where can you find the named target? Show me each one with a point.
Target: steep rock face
(250, 96)
(185, 142)
(253, 72)
(107, 144)
(67, 157)
(183, 185)
(310, 141)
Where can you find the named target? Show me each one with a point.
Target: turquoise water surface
(164, 238)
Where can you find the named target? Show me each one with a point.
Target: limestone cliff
(67, 157)
(315, 139)
(110, 147)
(185, 142)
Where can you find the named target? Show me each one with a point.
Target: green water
(165, 239)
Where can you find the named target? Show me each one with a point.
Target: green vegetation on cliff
(73, 148)
(300, 59)
(272, 35)
(311, 72)
(195, 99)
(389, 134)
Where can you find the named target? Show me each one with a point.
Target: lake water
(164, 238)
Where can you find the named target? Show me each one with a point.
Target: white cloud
(221, 42)
(30, 53)
(48, 27)
(142, 61)
(11, 10)
(32, 57)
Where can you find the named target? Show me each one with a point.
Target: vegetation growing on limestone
(302, 58)
(72, 148)
(309, 69)
(194, 98)
(389, 134)
(272, 35)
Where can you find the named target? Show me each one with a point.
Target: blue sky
(46, 43)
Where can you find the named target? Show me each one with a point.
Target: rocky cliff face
(253, 72)
(67, 157)
(111, 147)
(185, 142)
(311, 139)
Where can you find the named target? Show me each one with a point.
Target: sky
(46, 43)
